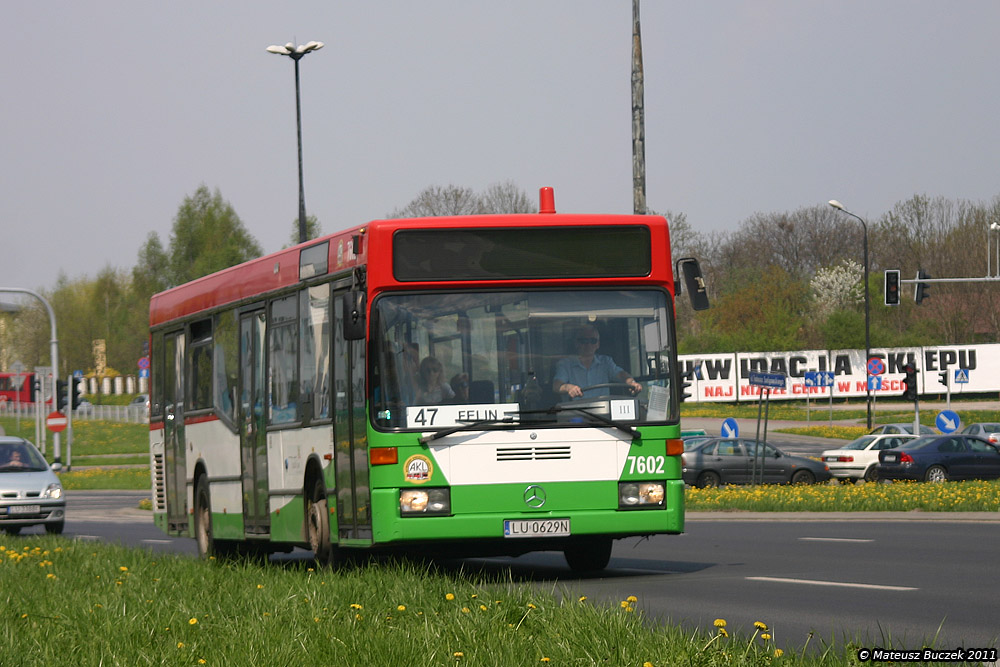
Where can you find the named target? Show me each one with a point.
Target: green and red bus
(396, 386)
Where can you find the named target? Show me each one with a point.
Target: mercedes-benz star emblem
(534, 496)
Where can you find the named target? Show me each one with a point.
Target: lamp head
(836, 204)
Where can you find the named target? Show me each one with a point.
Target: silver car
(30, 493)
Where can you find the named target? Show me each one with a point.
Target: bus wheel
(318, 523)
(208, 546)
(590, 555)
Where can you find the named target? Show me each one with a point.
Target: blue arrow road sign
(947, 421)
(874, 382)
(730, 429)
(819, 378)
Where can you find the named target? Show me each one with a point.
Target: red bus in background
(17, 387)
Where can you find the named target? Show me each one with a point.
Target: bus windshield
(445, 359)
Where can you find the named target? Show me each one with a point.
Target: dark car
(730, 461)
(939, 458)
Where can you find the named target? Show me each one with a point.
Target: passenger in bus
(587, 368)
(431, 385)
(460, 385)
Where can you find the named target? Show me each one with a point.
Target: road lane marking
(157, 541)
(813, 582)
(834, 539)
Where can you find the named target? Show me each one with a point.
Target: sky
(115, 111)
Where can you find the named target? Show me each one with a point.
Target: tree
(506, 198)
(837, 287)
(207, 237)
(436, 200)
(313, 230)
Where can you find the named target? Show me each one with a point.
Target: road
(847, 578)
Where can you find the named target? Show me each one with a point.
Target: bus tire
(591, 555)
(208, 546)
(318, 522)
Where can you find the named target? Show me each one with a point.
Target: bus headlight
(424, 502)
(645, 495)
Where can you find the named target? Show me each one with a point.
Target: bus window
(523, 351)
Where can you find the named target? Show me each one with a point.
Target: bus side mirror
(694, 281)
(354, 315)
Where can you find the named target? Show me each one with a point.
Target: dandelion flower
(631, 598)
(778, 653)
(259, 586)
(647, 664)
(193, 621)
(449, 596)
(583, 598)
(545, 660)
(723, 632)
(458, 654)
(355, 605)
(123, 569)
(465, 610)
(760, 625)
(180, 644)
(483, 607)
(765, 636)
(719, 623)
(531, 606)
(401, 607)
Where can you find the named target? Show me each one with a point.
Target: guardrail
(132, 414)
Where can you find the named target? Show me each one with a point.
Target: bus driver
(588, 368)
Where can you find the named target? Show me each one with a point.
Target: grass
(969, 496)
(83, 603)
(90, 437)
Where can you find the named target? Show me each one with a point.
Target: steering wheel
(602, 385)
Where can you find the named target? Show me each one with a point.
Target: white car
(859, 459)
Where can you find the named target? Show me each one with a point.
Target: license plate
(24, 509)
(890, 458)
(536, 527)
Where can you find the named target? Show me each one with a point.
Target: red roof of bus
(263, 275)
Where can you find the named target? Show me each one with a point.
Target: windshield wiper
(600, 418)
(509, 418)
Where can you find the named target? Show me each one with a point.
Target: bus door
(173, 430)
(252, 419)
(354, 520)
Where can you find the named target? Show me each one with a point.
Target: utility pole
(638, 119)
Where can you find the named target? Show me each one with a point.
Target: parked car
(30, 493)
(988, 430)
(140, 401)
(901, 428)
(859, 459)
(730, 461)
(940, 458)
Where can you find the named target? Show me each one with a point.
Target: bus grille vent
(160, 490)
(534, 453)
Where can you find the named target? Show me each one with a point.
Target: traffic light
(920, 292)
(685, 390)
(910, 380)
(74, 387)
(60, 395)
(892, 287)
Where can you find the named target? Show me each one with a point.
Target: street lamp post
(868, 343)
(296, 53)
